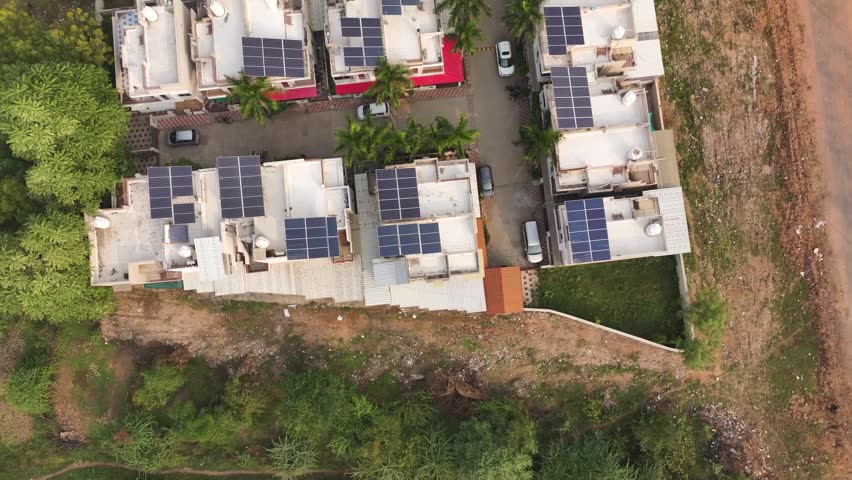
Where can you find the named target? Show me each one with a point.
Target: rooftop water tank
(653, 229)
(618, 32)
(100, 222)
(150, 14)
(635, 154)
(261, 242)
(628, 98)
(185, 251)
(216, 9)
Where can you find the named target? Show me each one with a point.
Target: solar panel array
(369, 30)
(587, 230)
(571, 95)
(410, 239)
(273, 57)
(564, 28)
(398, 195)
(394, 7)
(165, 183)
(184, 213)
(240, 186)
(314, 237)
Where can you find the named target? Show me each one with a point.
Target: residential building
(614, 38)
(419, 236)
(263, 38)
(153, 70)
(281, 228)
(406, 32)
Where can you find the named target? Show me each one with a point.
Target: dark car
(486, 181)
(178, 138)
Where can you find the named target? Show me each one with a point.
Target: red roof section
(503, 290)
(453, 73)
(298, 93)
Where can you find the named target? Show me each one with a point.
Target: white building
(418, 234)
(153, 71)
(616, 38)
(603, 229)
(173, 226)
(270, 38)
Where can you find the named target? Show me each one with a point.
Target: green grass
(88, 355)
(639, 297)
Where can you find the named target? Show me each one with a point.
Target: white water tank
(628, 98)
(185, 251)
(635, 154)
(150, 14)
(618, 32)
(261, 242)
(101, 223)
(216, 9)
(653, 229)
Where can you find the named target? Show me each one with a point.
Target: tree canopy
(392, 83)
(252, 93)
(523, 18)
(65, 120)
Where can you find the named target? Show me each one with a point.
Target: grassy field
(635, 296)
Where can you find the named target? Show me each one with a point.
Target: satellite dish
(628, 98)
(261, 242)
(653, 229)
(185, 251)
(101, 223)
(635, 154)
(216, 9)
(150, 14)
(618, 32)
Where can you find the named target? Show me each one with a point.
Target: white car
(505, 65)
(373, 110)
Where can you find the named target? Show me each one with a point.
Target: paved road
(498, 120)
(830, 24)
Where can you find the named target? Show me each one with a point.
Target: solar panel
(273, 57)
(314, 237)
(178, 234)
(398, 195)
(240, 186)
(369, 30)
(184, 213)
(587, 230)
(165, 183)
(564, 27)
(409, 239)
(392, 7)
(571, 96)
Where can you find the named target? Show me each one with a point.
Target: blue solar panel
(240, 187)
(314, 237)
(571, 96)
(398, 195)
(564, 28)
(165, 183)
(587, 230)
(409, 239)
(184, 213)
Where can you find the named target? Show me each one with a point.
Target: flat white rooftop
(602, 147)
(148, 51)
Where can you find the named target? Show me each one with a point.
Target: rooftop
(628, 228)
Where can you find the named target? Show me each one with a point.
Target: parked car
(505, 64)
(486, 181)
(532, 245)
(373, 110)
(179, 138)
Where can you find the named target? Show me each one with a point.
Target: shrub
(29, 389)
(146, 448)
(291, 457)
(671, 443)
(159, 384)
(592, 457)
(497, 444)
(709, 315)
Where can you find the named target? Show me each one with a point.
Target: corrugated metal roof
(649, 60)
(367, 222)
(208, 250)
(644, 16)
(504, 292)
(390, 272)
(673, 211)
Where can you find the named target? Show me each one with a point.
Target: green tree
(252, 93)
(52, 268)
(537, 142)
(29, 389)
(467, 35)
(65, 119)
(81, 38)
(592, 457)
(415, 139)
(392, 83)
(453, 137)
(462, 12)
(672, 443)
(523, 18)
(291, 457)
(158, 386)
(364, 144)
(497, 444)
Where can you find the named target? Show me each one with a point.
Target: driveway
(516, 198)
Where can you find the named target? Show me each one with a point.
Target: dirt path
(502, 350)
(190, 471)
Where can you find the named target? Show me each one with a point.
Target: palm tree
(463, 11)
(537, 141)
(466, 38)
(453, 137)
(392, 83)
(363, 143)
(415, 139)
(523, 18)
(252, 95)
